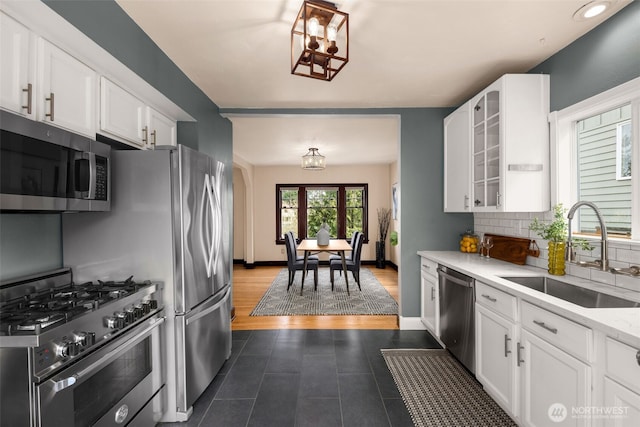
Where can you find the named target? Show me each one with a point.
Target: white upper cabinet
(457, 137)
(128, 119)
(160, 129)
(510, 145)
(66, 93)
(122, 115)
(73, 87)
(17, 67)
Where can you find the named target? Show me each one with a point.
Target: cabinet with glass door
(510, 145)
(486, 150)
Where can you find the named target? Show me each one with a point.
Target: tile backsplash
(622, 253)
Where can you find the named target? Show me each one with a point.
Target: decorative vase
(323, 235)
(556, 258)
(380, 262)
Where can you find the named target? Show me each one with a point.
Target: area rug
(439, 391)
(373, 299)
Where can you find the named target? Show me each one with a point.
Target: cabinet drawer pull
(433, 296)
(519, 348)
(29, 91)
(548, 328)
(489, 297)
(506, 345)
(638, 357)
(52, 101)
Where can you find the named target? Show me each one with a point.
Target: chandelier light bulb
(332, 33)
(314, 26)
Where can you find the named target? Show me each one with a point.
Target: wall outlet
(282, 251)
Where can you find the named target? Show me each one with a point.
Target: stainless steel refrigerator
(170, 221)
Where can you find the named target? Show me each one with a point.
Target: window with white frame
(595, 145)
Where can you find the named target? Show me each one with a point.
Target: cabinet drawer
(498, 301)
(429, 267)
(559, 331)
(623, 363)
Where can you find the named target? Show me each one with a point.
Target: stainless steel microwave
(44, 168)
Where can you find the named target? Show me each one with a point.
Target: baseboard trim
(284, 263)
(411, 323)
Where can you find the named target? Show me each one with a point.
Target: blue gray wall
(605, 57)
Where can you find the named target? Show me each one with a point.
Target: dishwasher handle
(462, 282)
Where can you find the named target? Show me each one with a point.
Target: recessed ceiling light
(591, 10)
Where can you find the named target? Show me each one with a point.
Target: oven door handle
(64, 383)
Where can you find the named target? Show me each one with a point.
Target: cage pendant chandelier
(319, 40)
(313, 160)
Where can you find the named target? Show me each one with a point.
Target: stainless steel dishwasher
(457, 315)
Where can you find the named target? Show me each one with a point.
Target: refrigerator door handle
(206, 201)
(212, 227)
(217, 189)
(206, 311)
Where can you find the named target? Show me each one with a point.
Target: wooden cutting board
(511, 249)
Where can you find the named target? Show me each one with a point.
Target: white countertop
(621, 323)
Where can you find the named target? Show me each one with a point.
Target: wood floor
(250, 284)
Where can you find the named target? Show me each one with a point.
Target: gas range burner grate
(33, 313)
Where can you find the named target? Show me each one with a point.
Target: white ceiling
(402, 53)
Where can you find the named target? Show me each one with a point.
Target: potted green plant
(556, 233)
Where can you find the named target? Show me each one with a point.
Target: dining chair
(352, 242)
(295, 263)
(298, 257)
(353, 264)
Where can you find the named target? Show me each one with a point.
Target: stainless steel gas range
(80, 354)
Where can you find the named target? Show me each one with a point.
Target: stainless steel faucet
(603, 264)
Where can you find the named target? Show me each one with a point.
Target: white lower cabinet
(430, 311)
(622, 405)
(621, 384)
(554, 384)
(495, 357)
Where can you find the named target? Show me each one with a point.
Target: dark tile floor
(313, 378)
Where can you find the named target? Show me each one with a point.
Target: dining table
(335, 247)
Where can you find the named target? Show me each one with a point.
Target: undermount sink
(571, 293)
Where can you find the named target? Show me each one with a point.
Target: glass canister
(468, 242)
